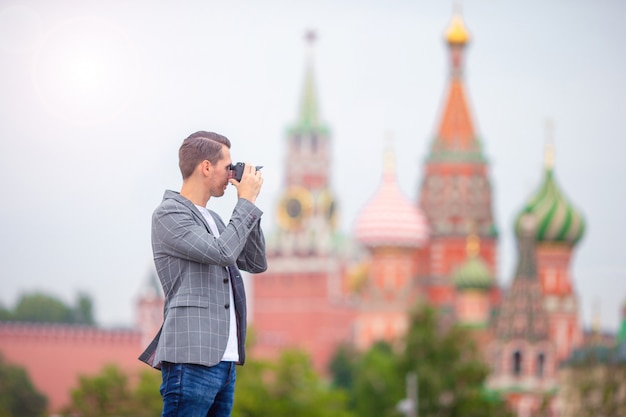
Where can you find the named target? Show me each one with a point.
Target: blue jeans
(190, 390)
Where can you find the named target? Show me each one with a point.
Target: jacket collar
(175, 195)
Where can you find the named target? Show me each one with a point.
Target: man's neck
(194, 194)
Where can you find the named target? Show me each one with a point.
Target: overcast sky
(96, 97)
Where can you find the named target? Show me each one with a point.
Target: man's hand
(250, 184)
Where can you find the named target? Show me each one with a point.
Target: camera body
(237, 170)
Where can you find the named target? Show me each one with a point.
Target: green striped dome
(474, 274)
(556, 219)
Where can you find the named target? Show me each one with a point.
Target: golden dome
(456, 32)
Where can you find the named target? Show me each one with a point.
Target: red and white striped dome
(390, 218)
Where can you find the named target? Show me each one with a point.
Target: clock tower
(306, 212)
(300, 301)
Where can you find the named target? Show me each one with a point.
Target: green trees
(450, 373)
(18, 397)
(5, 314)
(379, 384)
(110, 394)
(42, 308)
(450, 369)
(287, 387)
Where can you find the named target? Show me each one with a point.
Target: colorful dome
(456, 32)
(474, 272)
(389, 218)
(555, 218)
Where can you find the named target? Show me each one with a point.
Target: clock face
(295, 205)
(327, 207)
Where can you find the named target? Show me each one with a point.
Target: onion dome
(456, 33)
(474, 273)
(389, 218)
(556, 220)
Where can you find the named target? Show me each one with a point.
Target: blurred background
(97, 97)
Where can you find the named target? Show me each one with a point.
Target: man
(198, 258)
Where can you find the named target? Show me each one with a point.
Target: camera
(238, 170)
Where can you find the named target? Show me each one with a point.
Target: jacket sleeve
(176, 232)
(252, 258)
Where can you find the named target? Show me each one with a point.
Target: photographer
(197, 259)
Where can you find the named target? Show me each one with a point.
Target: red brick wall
(55, 355)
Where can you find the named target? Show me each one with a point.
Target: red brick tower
(522, 354)
(560, 227)
(299, 301)
(394, 232)
(456, 191)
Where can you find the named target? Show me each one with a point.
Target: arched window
(517, 363)
(541, 363)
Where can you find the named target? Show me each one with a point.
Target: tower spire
(389, 159)
(549, 149)
(455, 191)
(307, 210)
(308, 119)
(456, 138)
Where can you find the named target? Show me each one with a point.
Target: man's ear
(206, 167)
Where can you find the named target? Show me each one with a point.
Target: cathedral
(323, 289)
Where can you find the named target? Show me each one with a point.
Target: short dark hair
(198, 147)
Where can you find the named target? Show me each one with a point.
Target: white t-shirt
(231, 354)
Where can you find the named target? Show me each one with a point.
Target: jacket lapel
(192, 207)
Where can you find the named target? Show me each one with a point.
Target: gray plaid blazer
(195, 270)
